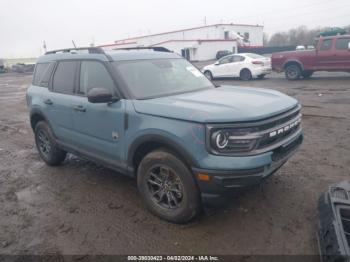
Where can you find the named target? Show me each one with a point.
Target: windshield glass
(161, 77)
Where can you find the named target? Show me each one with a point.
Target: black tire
(160, 196)
(293, 72)
(262, 76)
(47, 146)
(245, 75)
(208, 74)
(307, 74)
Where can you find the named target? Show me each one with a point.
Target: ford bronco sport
(154, 116)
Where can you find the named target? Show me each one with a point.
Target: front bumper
(223, 182)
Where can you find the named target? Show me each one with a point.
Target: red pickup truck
(330, 54)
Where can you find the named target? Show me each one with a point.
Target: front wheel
(47, 146)
(168, 187)
(293, 72)
(245, 75)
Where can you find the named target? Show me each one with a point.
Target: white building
(199, 43)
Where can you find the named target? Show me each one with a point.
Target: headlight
(231, 140)
(221, 139)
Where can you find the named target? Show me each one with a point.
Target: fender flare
(38, 111)
(162, 139)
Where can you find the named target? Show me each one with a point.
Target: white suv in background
(245, 65)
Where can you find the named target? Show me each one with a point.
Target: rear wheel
(293, 72)
(47, 146)
(168, 187)
(209, 75)
(245, 75)
(307, 73)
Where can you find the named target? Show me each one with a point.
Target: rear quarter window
(42, 74)
(342, 43)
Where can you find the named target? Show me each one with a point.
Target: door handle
(79, 108)
(48, 102)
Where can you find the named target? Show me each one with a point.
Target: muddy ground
(82, 208)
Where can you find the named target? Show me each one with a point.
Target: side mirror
(217, 63)
(99, 95)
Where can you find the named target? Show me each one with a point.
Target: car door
(222, 67)
(324, 57)
(58, 102)
(99, 127)
(237, 64)
(341, 53)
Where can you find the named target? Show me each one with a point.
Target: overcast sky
(25, 24)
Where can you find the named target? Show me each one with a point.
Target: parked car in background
(331, 53)
(185, 141)
(222, 53)
(2, 66)
(23, 68)
(245, 66)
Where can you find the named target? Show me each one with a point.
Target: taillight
(257, 63)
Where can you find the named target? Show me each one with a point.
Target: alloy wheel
(165, 187)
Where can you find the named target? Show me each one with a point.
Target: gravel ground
(82, 208)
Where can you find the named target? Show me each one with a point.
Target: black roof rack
(154, 48)
(91, 50)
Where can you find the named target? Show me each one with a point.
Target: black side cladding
(334, 223)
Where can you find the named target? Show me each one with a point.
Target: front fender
(159, 136)
(293, 60)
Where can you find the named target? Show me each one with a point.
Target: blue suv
(153, 116)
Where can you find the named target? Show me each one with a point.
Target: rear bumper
(222, 182)
(262, 71)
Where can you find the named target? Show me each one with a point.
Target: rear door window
(42, 74)
(238, 58)
(64, 78)
(226, 60)
(342, 43)
(94, 74)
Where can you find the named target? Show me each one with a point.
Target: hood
(223, 104)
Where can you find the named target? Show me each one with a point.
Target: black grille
(267, 141)
(285, 120)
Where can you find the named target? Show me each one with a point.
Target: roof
(334, 36)
(186, 29)
(115, 55)
(124, 55)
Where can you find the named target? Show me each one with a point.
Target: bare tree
(297, 36)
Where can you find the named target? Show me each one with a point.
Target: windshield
(161, 77)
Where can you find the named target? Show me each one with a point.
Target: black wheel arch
(147, 143)
(36, 115)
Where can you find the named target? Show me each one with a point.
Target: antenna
(44, 46)
(74, 44)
